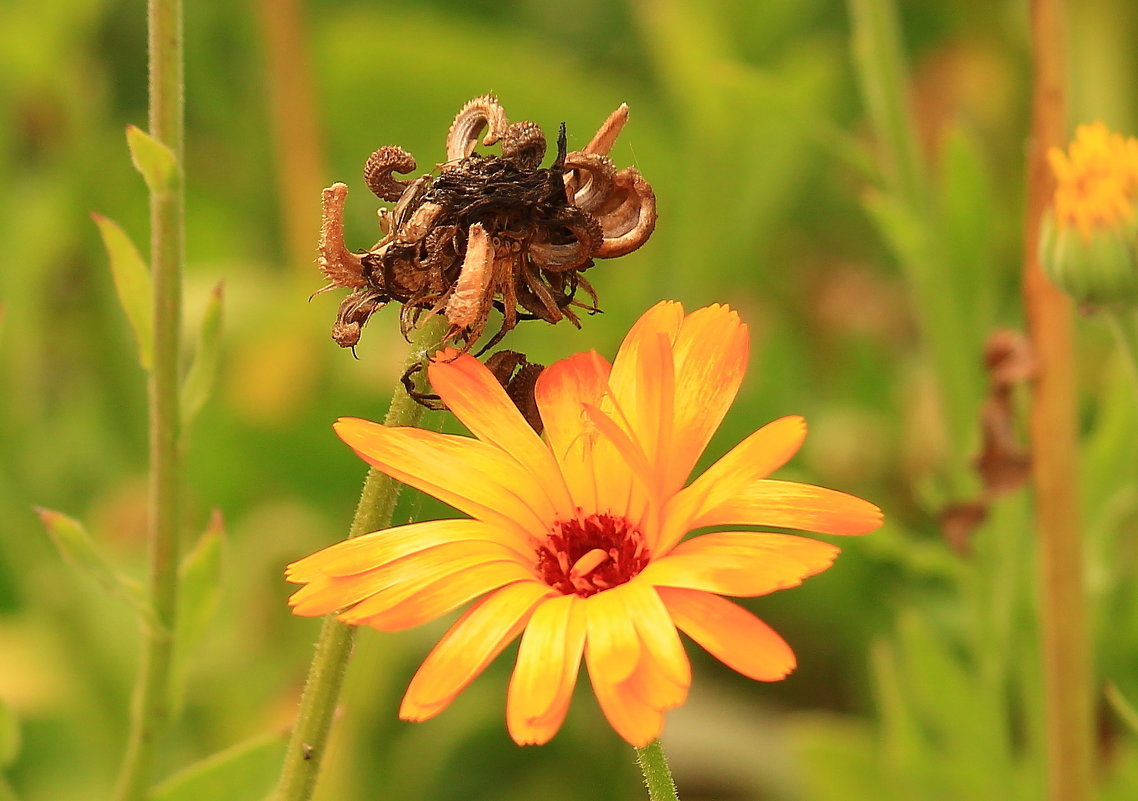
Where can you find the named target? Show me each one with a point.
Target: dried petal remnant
(533, 230)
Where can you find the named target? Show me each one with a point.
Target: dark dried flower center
(585, 556)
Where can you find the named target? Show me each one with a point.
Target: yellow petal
(548, 660)
(711, 354)
(753, 459)
(742, 563)
(468, 647)
(652, 686)
(360, 554)
(730, 633)
(788, 504)
(476, 398)
(634, 719)
(612, 637)
(471, 476)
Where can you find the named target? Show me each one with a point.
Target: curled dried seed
(524, 144)
(470, 295)
(629, 223)
(340, 266)
(610, 129)
(590, 183)
(379, 167)
(587, 239)
(481, 112)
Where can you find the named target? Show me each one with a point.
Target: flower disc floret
(586, 555)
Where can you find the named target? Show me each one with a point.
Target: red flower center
(585, 556)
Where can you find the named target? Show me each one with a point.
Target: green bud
(1096, 271)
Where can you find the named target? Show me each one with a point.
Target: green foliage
(853, 187)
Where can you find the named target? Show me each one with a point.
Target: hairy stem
(150, 710)
(307, 746)
(657, 774)
(1063, 607)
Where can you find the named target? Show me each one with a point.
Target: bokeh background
(918, 673)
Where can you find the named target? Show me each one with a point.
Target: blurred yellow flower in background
(1089, 240)
(576, 540)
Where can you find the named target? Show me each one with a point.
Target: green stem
(1124, 324)
(307, 746)
(657, 775)
(150, 708)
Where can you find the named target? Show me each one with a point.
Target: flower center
(586, 555)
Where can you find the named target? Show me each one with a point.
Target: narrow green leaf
(77, 548)
(199, 593)
(1122, 707)
(244, 772)
(156, 162)
(9, 735)
(132, 283)
(199, 380)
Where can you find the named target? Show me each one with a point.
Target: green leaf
(1122, 707)
(199, 593)
(156, 162)
(9, 735)
(244, 772)
(132, 283)
(199, 380)
(77, 548)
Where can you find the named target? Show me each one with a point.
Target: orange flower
(576, 541)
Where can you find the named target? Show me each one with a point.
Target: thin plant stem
(657, 774)
(1124, 324)
(307, 745)
(1066, 653)
(151, 698)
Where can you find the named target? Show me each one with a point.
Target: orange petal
(476, 398)
(472, 476)
(612, 637)
(730, 633)
(360, 554)
(788, 504)
(562, 390)
(634, 719)
(744, 563)
(468, 647)
(413, 603)
(652, 686)
(658, 636)
(546, 671)
(642, 379)
(754, 458)
(390, 581)
(711, 354)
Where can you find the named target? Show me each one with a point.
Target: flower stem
(657, 775)
(150, 704)
(1124, 324)
(306, 748)
(1066, 668)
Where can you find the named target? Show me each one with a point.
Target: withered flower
(485, 231)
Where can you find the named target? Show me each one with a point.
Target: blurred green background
(868, 299)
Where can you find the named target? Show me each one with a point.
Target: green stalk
(657, 774)
(1124, 324)
(150, 710)
(307, 745)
